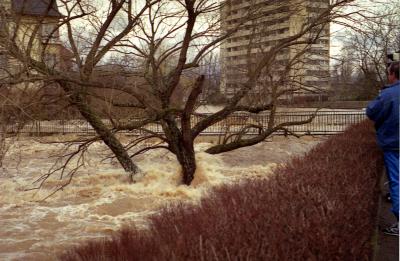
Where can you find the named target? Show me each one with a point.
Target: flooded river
(99, 199)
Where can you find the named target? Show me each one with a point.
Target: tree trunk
(187, 160)
(181, 144)
(105, 134)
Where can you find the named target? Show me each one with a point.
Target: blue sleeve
(375, 109)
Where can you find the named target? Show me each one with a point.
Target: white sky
(339, 31)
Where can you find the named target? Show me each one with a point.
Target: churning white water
(99, 199)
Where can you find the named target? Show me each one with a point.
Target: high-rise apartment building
(266, 24)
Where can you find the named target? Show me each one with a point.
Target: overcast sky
(339, 31)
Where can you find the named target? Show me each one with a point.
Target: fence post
(37, 128)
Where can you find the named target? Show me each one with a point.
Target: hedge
(321, 206)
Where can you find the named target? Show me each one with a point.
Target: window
(317, 73)
(282, 31)
(50, 59)
(49, 30)
(236, 2)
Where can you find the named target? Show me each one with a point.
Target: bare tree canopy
(140, 57)
(363, 56)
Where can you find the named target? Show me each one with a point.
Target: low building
(34, 26)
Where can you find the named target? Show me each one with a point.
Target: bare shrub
(318, 207)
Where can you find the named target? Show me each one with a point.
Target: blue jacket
(384, 111)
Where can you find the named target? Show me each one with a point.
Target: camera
(392, 57)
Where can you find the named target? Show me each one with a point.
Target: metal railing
(324, 123)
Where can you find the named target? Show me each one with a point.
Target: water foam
(99, 199)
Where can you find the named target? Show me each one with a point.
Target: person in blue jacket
(384, 111)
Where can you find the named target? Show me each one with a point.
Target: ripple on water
(99, 200)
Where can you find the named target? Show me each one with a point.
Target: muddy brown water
(99, 200)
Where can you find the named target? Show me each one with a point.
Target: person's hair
(394, 67)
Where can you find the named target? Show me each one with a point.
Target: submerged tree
(133, 65)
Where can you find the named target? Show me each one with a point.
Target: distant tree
(15, 110)
(361, 67)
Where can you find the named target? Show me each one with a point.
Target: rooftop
(36, 7)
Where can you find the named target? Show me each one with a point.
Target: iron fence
(324, 123)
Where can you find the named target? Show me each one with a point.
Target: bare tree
(166, 39)
(15, 112)
(362, 63)
(20, 39)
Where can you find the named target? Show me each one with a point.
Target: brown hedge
(319, 207)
